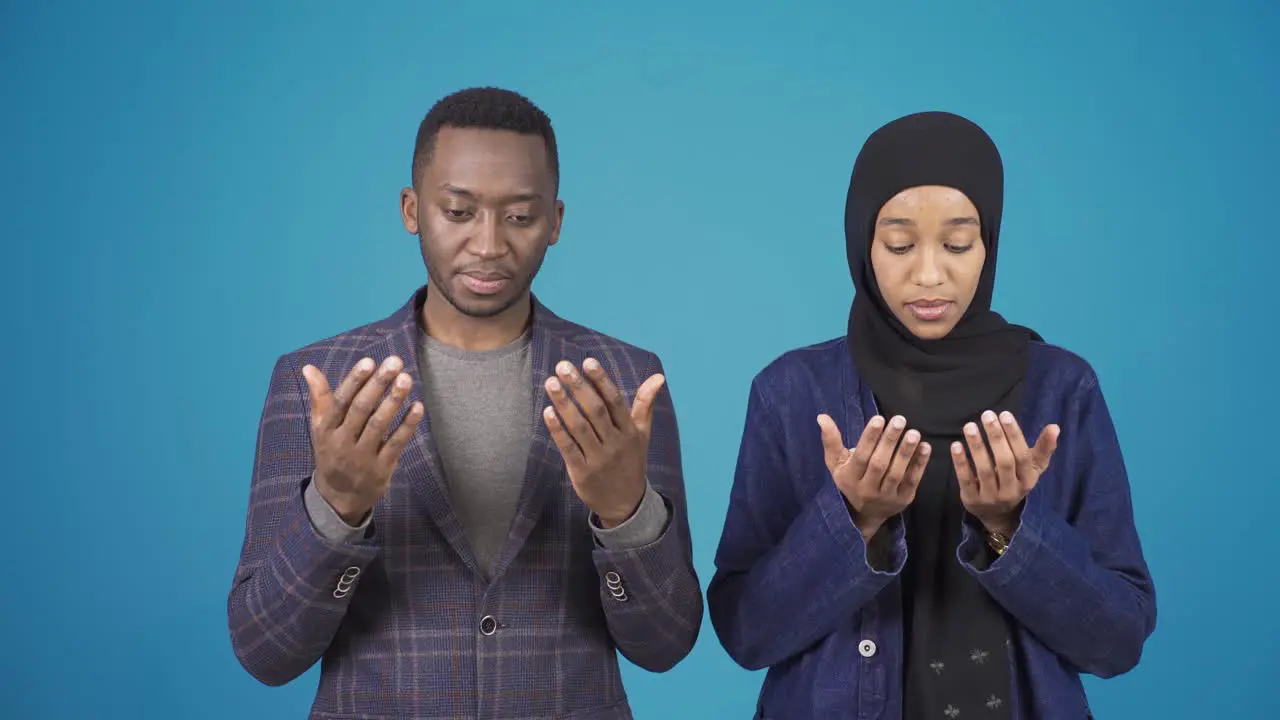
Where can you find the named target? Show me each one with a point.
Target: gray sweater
(480, 405)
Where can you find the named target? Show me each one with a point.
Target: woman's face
(927, 255)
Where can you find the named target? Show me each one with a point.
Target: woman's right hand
(879, 476)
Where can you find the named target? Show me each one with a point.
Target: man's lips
(484, 283)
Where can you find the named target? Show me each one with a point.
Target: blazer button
(866, 648)
(488, 625)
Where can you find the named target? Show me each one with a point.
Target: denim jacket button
(866, 648)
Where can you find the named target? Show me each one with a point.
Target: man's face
(485, 211)
(927, 254)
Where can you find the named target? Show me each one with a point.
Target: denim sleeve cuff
(1024, 545)
(887, 556)
(644, 526)
(328, 523)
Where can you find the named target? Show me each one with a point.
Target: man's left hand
(605, 444)
(1003, 472)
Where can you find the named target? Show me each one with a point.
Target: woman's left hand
(994, 485)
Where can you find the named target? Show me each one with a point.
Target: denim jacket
(794, 591)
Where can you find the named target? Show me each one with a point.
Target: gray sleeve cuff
(326, 520)
(642, 528)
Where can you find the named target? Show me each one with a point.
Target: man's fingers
(390, 452)
(585, 394)
(572, 418)
(613, 398)
(1046, 445)
(642, 409)
(375, 432)
(833, 448)
(321, 396)
(347, 390)
(369, 395)
(569, 449)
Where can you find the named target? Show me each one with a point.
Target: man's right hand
(878, 477)
(354, 456)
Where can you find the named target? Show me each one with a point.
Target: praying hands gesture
(604, 444)
(879, 476)
(1003, 471)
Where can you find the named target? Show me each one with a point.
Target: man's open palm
(355, 450)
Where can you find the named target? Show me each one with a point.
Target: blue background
(190, 192)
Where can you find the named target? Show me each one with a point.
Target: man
(464, 508)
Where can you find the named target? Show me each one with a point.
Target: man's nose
(487, 241)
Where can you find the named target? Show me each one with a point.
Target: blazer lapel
(420, 462)
(547, 348)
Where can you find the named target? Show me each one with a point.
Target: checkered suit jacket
(404, 624)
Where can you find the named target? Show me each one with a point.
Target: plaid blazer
(404, 624)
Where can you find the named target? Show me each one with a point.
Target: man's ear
(409, 210)
(555, 233)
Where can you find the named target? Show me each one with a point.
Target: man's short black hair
(486, 108)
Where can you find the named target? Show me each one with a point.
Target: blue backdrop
(190, 192)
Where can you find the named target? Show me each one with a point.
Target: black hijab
(937, 384)
(957, 639)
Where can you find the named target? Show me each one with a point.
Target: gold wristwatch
(998, 542)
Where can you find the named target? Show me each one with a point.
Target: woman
(975, 551)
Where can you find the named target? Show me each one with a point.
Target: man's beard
(482, 310)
